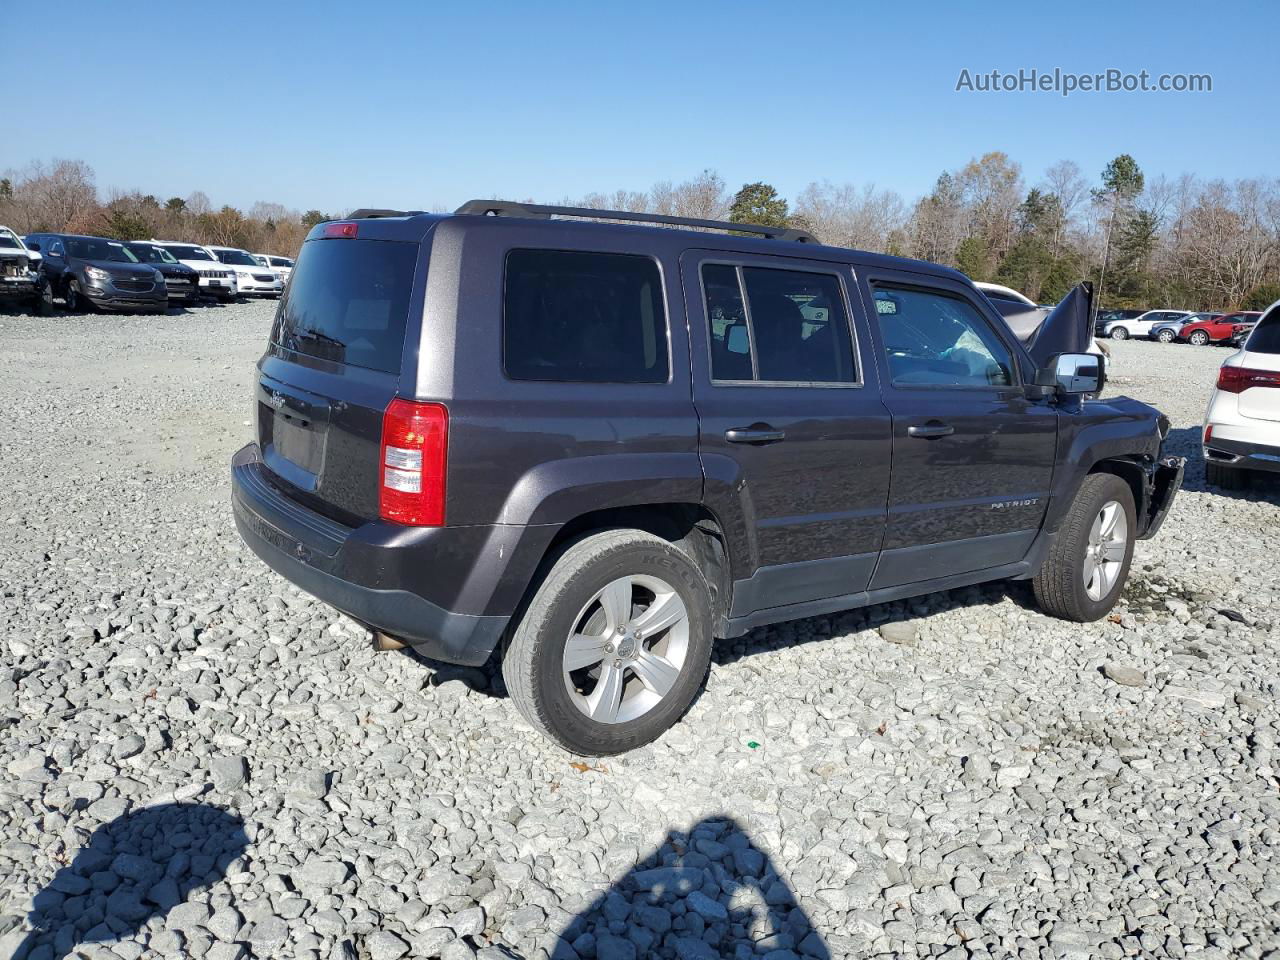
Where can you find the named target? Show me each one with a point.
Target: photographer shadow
(135, 867)
(702, 895)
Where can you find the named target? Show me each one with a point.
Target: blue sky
(337, 105)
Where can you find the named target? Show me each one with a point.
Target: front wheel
(72, 297)
(614, 645)
(1119, 333)
(1165, 336)
(43, 303)
(1088, 564)
(1199, 338)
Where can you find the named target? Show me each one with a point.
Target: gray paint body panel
(804, 522)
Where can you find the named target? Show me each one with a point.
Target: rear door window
(348, 301)
(791, 326)
(571, 316)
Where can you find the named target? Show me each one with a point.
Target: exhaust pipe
(383, 641)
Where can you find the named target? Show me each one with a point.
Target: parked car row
(1174, 326)
(88, 272)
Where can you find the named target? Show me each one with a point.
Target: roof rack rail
(539, 211)
(373, 213)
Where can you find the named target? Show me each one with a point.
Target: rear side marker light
(414, 460)
(1240, 379)
(341, 229)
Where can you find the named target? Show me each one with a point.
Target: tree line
(62, 196)
(1144, 242)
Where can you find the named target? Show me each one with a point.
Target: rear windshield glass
(582, 317)
(1266, 335)
(347, 301)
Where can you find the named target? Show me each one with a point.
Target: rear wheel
(1088, 564)
(1165, 336)
(1199, 337)
(614, 645)
(1119, 333)
(1224, 477)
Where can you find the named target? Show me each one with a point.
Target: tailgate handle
(928, 431)
(756, 433)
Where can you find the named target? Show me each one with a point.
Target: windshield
(91, 248)
(348, 301)
(151, 254)
(237, 257)
(9, 240)
(185, 252)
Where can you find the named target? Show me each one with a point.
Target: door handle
(761, 434)
(928, 431)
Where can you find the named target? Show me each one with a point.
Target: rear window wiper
(317, 336)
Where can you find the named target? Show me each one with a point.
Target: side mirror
(1072, 373)
(32, 246)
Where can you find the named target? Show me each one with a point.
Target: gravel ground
(197, 760)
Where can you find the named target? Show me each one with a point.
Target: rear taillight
(415, 443)
(341, 229)
(1240, 379)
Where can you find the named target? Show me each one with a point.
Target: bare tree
(846, 216)
(1065, 181)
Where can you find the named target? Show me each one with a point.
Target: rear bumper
(447, 590)
(1242, 454)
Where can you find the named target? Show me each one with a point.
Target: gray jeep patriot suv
(594, 447)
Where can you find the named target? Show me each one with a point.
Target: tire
(1226, 478)
(42, 305)
(1165, 336)
(1119, 333)
(1060, 585)
(588, 590)
(73, 298)
(1199, 338)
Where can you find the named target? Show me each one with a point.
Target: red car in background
(1219, 330)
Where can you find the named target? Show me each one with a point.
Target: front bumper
(180, 288)
(1163, 485)
(256, 288)
(107, 296)
(1242, 454)
(20, 288)
(360, 570)
(218, 286)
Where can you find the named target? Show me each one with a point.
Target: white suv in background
(1141, 326)
(215, 279)
(1242, 424)
(280, 266)
(252, 279)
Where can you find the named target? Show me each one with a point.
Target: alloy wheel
(1104, 553)
(627, 649)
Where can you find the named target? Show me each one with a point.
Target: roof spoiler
(375, 213)
(539, 211)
